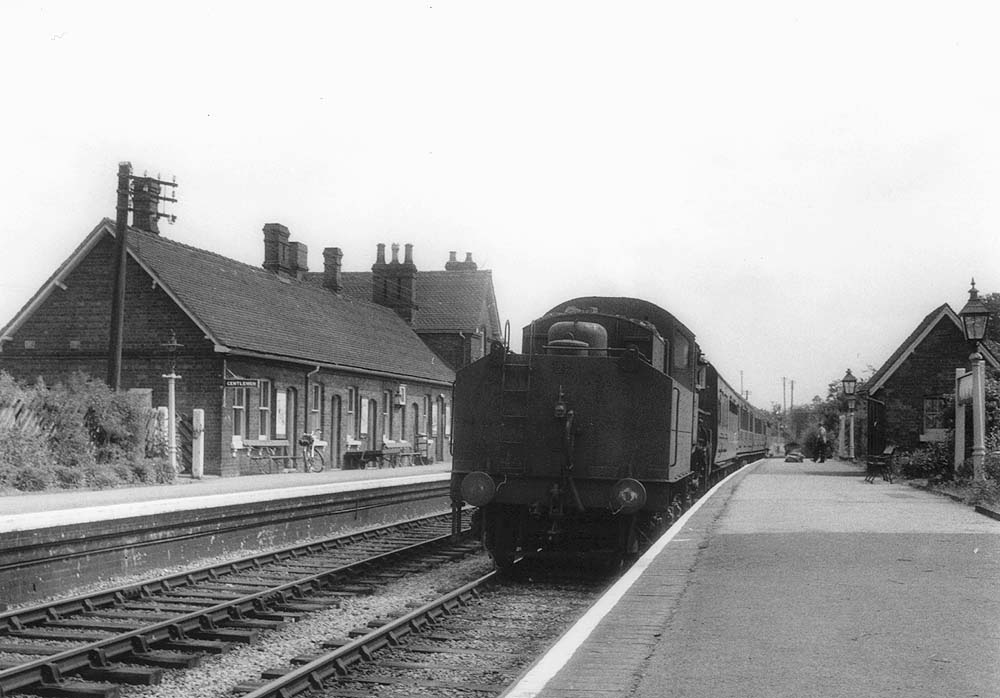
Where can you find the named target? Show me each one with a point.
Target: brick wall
(456, 350)
(334, 418)
(928, 372)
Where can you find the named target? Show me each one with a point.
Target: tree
(992, 301)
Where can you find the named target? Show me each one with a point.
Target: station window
(281, 399)
(239, 402)
(316, 408)
(934, 411)
(264, 410)
(364, 420)
(387, 414)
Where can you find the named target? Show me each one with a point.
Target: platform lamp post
(850, 385)
(975, 317)
(172, 346)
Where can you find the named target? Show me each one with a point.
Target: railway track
(472, 641)
(88, 645)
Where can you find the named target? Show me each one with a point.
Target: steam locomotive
(599, 435)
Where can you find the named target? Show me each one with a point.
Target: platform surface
(29, 511)
(797, 580)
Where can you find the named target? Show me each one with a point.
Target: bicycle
(313, 452)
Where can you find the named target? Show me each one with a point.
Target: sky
(799, 183)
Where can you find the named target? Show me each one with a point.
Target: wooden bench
(362, 459)
(269, 455)
(880, 465)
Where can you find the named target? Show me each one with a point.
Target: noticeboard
(963, 389)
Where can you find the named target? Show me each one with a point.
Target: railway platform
(54, 542)
(796, 579)
(33, 510)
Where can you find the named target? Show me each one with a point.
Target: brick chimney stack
(298, 261)
(276, 251)
(332, 259)
(452, 262)
(145, 203)
(394, 284)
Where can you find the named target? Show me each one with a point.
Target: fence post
(198, 444)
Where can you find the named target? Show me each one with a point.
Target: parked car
(793, 453)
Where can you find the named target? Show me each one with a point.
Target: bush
(77, 434)
(933, 462)
(153, 470)
(34, 479)
(69, 478)
(101, 477)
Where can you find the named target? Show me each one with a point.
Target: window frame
(265, 400)
(241, 426)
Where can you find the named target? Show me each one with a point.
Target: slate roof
(896, 359)
(447, 301)
(245, 308)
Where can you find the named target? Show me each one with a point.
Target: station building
(267, 352)
(908, 396)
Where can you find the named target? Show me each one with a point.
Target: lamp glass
(975, 316)
(850, 383)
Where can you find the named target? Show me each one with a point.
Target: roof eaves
(347, 368)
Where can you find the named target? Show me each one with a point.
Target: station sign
(241, 382)
(963, 389)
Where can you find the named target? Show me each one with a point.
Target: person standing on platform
(821, 445)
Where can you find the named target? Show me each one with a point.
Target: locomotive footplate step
(74, 689)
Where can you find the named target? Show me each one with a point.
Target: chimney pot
(380, 253)
(408, 254)
(395, 253)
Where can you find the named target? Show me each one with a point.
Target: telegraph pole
(118, 294)
(122, 209)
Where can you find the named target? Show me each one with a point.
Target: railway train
(598, 435)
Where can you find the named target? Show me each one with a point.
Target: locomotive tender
(598, 435)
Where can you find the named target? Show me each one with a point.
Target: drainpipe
(305, 401)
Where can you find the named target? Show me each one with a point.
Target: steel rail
(312, 675)
(54, 668)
